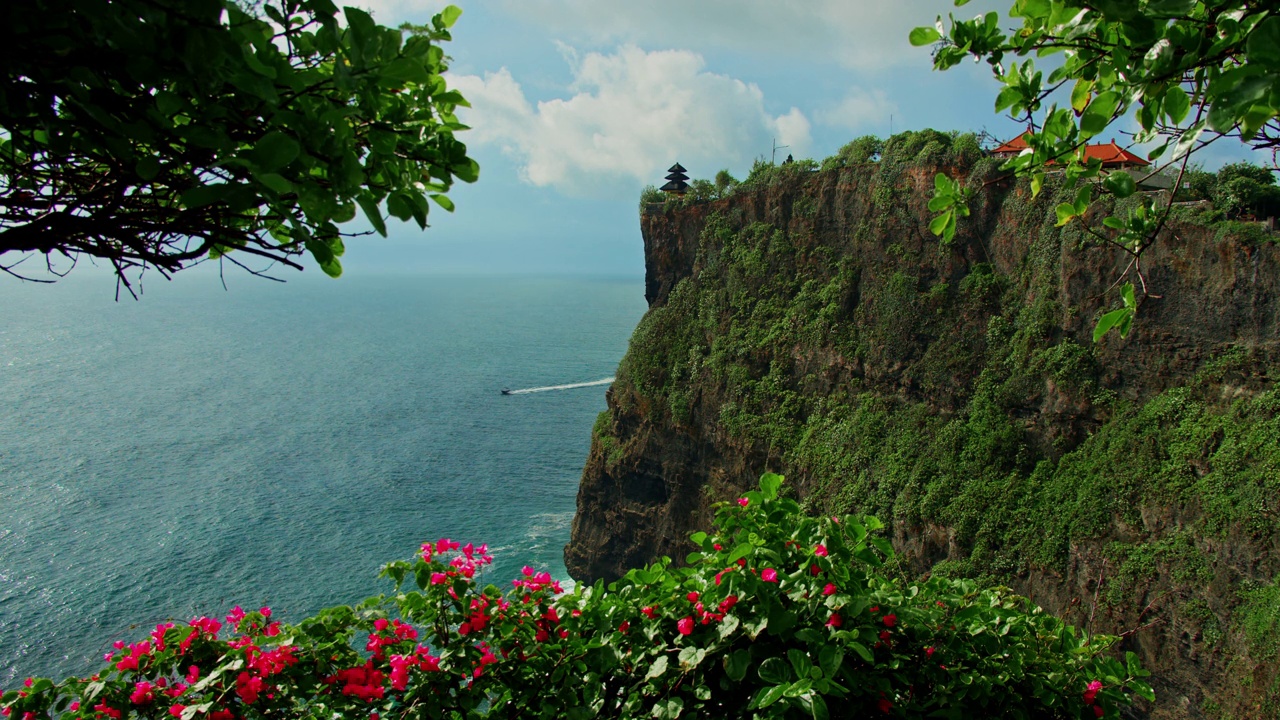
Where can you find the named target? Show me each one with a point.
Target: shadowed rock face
(815, 328)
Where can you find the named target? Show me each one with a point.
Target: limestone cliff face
(814, 327)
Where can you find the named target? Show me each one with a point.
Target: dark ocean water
(275, 444)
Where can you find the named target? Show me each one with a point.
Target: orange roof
(1015, 145)
(1112, 154)
(1108, 153)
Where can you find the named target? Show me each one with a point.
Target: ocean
(274, 444)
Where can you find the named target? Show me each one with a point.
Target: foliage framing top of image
(1190, 72)
(159, 133)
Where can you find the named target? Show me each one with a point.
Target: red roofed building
(1013, 147)
(1112, 155)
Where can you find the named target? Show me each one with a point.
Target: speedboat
(506, 391)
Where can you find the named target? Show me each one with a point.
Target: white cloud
(861, 34)
(632, 113)
(393, 12)
(860, 110)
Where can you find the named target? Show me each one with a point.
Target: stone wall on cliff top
(814, 327)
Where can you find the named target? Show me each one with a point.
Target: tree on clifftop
(161, 133)
(1190, 71)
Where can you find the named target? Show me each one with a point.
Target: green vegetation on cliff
(955, 392)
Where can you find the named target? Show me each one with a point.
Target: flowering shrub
(776, 615)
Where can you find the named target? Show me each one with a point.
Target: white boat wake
(549, 388)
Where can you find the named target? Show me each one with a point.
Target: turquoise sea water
(275, 444)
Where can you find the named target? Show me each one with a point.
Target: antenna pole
(773, 159)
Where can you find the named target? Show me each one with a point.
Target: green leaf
(1080, 94)
(727, 626)
(202, 195)
(148, 168)
(400, 206)
(799, 662)
(939, 225)
(736, 664)
(276, 182)
(1264, 43)
(443, 201)
(274, 151)
(829, 659)
(772, 695)
(450, 15)
(1120, 183)
(1098, 115)
(774, 671)
(1176, 104)
(371, 211)
(862, 651)
(658, 667)
(1110, 320)
(769, 485)
(467, 172)
(1065, 212)
(406, 70)
(1113, 222)
(924, 36)
(1126, 294)
(818, 707)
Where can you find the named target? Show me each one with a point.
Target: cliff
(813, 326)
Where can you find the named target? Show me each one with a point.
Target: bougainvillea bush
(776, 615)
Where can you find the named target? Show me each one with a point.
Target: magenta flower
(834, 621)
(1092, 692)
(820, 550)
(769, 575)
(743, 501)
(830, 589)
(685, 625)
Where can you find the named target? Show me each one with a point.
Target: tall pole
(773, 159)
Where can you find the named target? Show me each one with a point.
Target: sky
(578, 104)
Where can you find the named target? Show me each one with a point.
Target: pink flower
(624, 627)
(692, 597)
(743, 501)
(890, 620)
(685, 625)
(235, 616)
(1092, 692)
(176, 710)
(266, 612)
(834, 621)
(820, 550)
(929, 651)
(193, 674)
(75, 705)
(1097, 711)
(728, 602)
(439, 578)
(830, 589)
(769, 575)
(649, 611)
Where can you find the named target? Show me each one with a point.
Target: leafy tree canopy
(161, 133)
(1191, 72)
